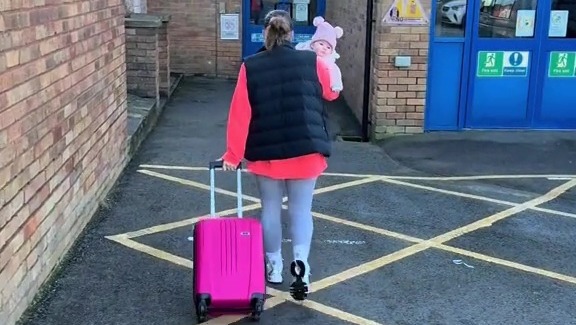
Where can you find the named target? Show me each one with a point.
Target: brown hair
(279, 28)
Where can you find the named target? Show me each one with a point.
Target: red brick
(57, 64)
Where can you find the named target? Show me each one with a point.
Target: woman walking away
(277, 123)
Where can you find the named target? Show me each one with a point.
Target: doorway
(301, 11)
(522, 65)
(502, 64)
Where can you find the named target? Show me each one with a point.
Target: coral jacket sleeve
(324, 75)
(238, 121)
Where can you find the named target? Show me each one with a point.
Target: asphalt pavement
(398, 239)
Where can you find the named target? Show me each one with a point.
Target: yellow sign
(406, 12)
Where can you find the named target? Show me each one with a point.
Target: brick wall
(62, 132)
(398, 95)
(142, 58)
(195, 45)
(351, 16)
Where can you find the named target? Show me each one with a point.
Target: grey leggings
(300, 193)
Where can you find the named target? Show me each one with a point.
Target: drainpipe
(367, 69)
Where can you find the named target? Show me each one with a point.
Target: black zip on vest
(288, 115)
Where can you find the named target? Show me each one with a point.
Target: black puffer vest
(288, 116)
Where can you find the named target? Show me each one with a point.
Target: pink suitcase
(229, 262)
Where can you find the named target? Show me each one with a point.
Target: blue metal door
(301, 11)
(509, 84)
(556, 93)
(506, 37)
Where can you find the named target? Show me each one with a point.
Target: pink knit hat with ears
(325, 32)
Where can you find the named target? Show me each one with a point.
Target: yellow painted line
(369, 266)
(437, 178)
(199, 185)
(279, 296)
(174, 167)
(152, 251)
(476, 197)
(555, 212)
(365, 181)
(231, 319)
(194, 184)
(251, 198)
(184, 223)
(330, 311)
(364, 227)
(350, 175)
(160, 254)
(451, 249)
(338, 313)
(369, 179)
(487, 222)
(507, 263)
(438, 190)
(380, 262)
(341, 186)
(478, 177)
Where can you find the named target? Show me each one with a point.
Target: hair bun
(280, 24)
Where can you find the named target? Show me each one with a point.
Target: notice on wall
(503, 63)
(525, 23)
(562, 64)
(558, 23)
(230, 26)
(300, 10)
(406, 12)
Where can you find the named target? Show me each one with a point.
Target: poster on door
(525, 23)
(558, 23)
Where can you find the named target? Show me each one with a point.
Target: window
(507, 18)
(450, 18)
(301, 11)
(563, 19)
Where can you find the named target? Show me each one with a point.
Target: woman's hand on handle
(227, 165)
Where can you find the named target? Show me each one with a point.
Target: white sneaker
(274, 271)
(301, 284)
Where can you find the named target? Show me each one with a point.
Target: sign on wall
(562, 64)
(406, 12)
(230, 26)
(503, 63)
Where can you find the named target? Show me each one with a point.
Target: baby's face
(322, 48)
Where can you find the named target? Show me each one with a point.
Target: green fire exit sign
(503, 63)
(562, 64)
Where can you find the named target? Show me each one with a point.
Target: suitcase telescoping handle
(220, 164)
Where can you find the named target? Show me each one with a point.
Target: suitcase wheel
(202, 311)
(257, 308)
